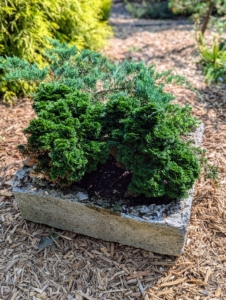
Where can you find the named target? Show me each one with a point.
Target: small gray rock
(144, 209)
(82, 196)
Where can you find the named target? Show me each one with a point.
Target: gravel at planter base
(37, 262)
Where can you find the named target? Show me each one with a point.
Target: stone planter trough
(156, 228)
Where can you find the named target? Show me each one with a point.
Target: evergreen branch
(108, 91)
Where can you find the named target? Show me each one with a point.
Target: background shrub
(207, 14)
(203, 12)
(106, 9)
(154, 9)
(26, 24)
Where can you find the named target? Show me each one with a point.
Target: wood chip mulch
(38, 262)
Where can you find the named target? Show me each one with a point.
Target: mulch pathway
(38, 262)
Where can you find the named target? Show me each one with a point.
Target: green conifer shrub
(25, 25)
(66, 133)
(88, 107)
(147, 139)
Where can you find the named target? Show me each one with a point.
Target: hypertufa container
(156, 228)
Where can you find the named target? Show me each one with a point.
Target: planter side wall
(100, 223)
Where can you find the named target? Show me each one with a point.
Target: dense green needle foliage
(66, 135)
(88, 107)
(25, 25)
(106, 9)
(147, 141)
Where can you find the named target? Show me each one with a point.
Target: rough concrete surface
(156, 228)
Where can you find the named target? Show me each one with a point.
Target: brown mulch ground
(73, 266)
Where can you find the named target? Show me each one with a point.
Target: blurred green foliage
(149, 9)
(25, 25)
(208, 14)
(213, 60)
(204, 12)
(106, 9)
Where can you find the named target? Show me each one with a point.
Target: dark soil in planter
(111, 182)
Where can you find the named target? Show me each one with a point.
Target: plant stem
(207, 18)
(109, 90)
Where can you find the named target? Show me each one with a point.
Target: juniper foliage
(88, 107)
